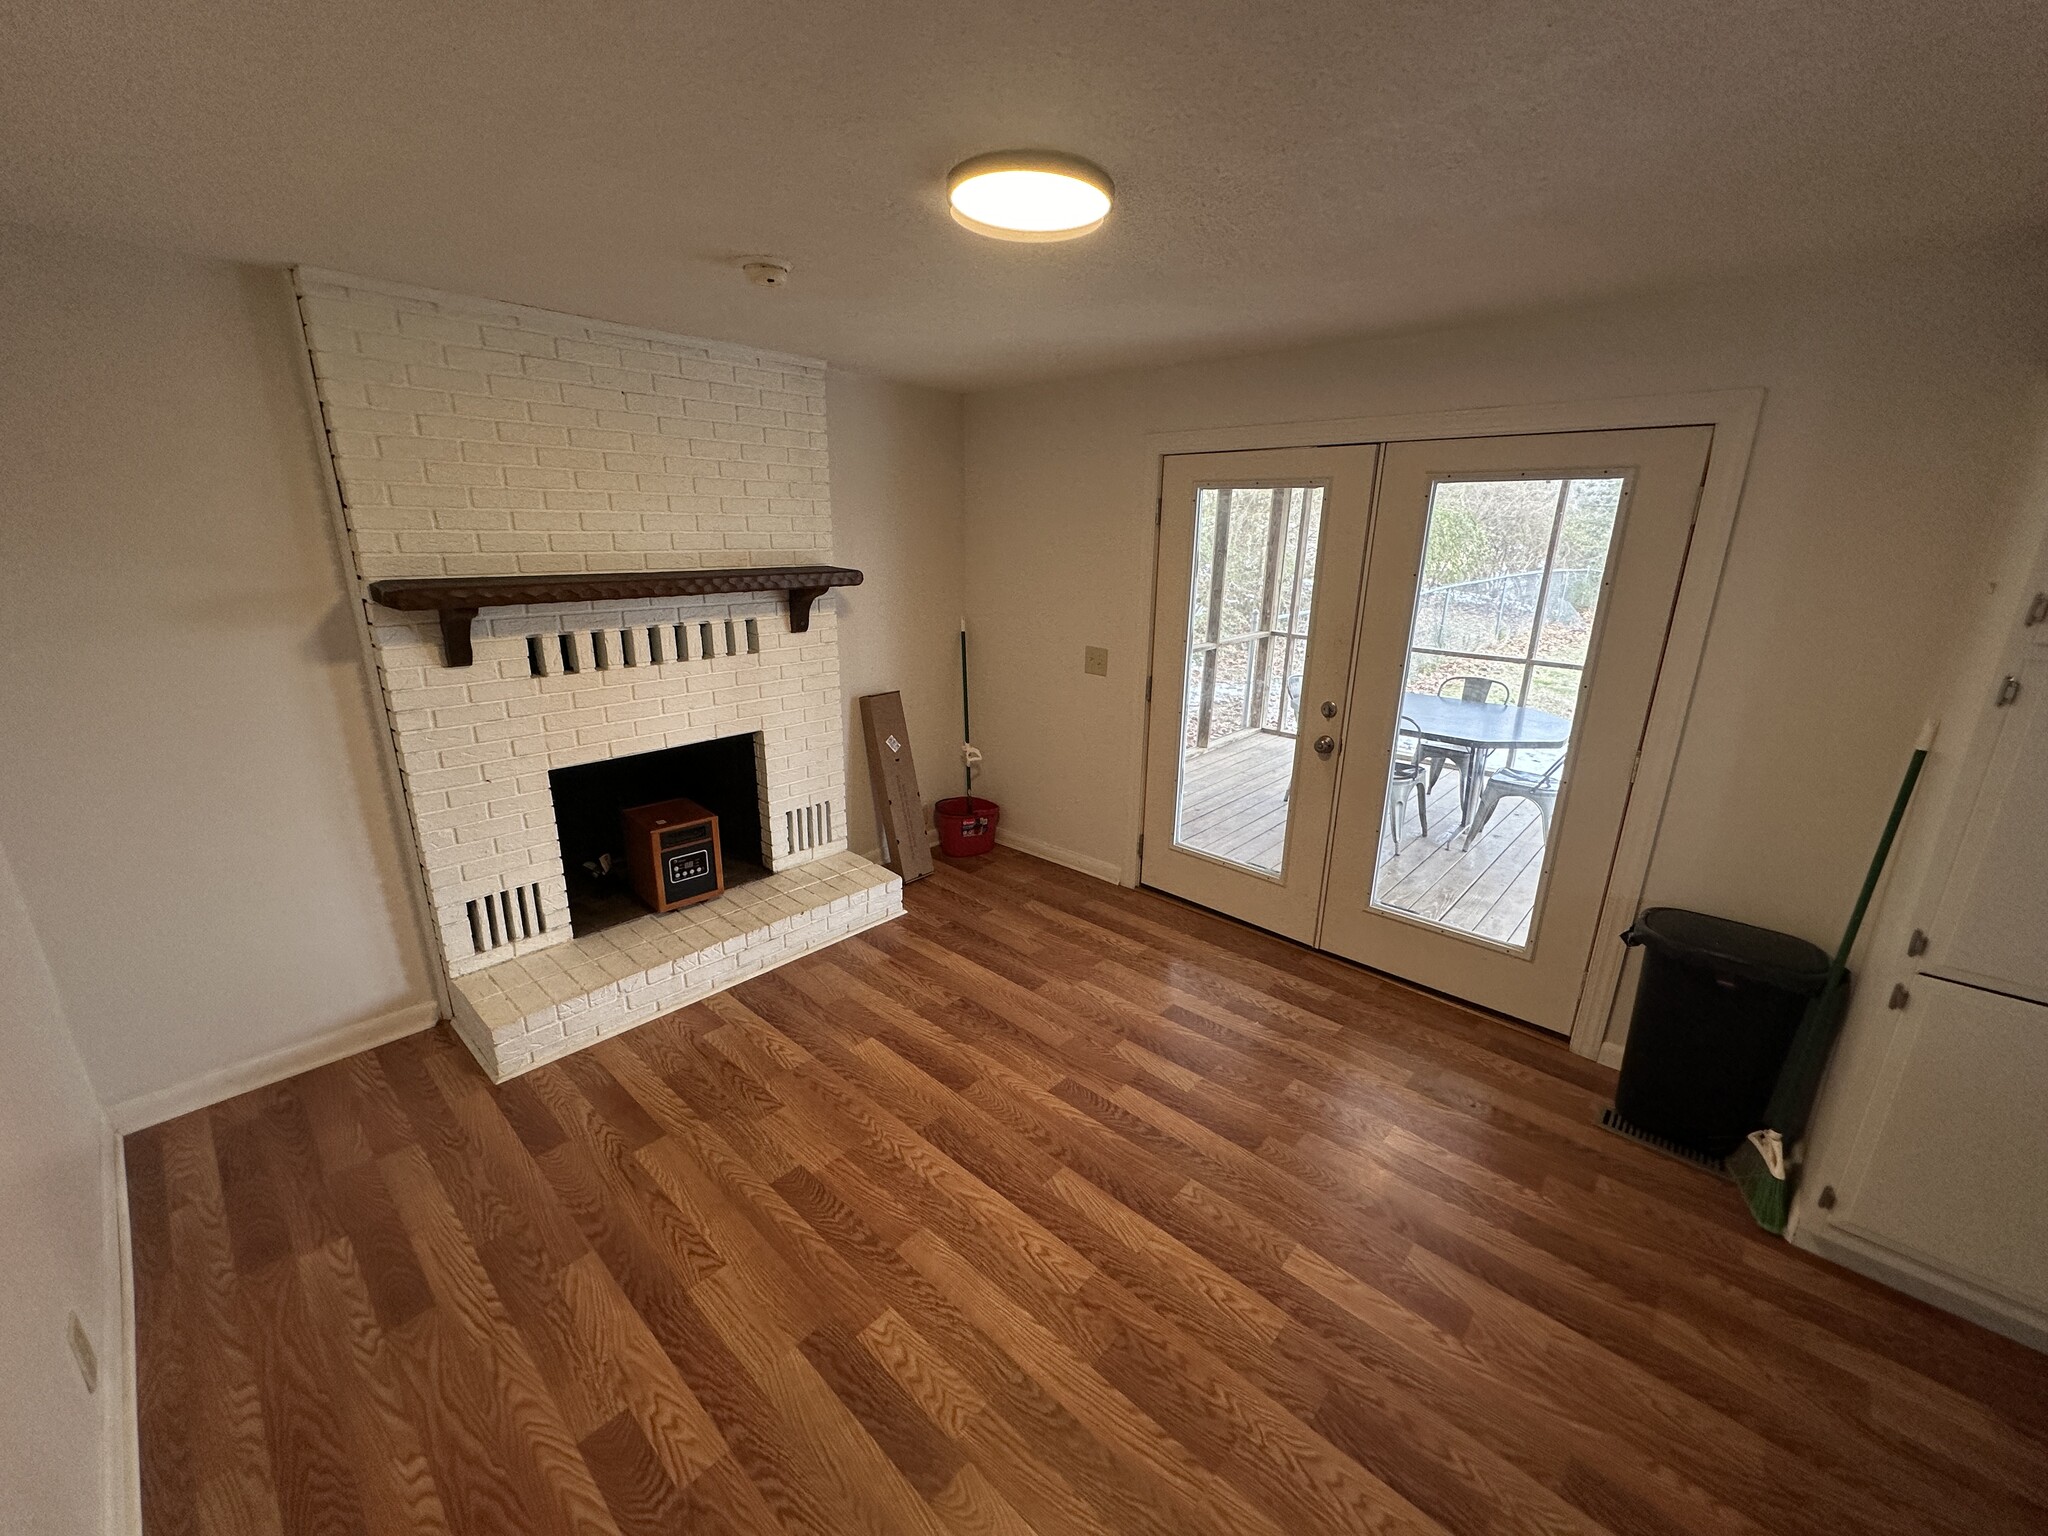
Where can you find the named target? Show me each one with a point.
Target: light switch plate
(1095, 661)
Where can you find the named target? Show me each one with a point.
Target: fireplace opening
(723, 776)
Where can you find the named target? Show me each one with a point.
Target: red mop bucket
(967, 825)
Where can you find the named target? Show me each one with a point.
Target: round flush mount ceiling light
(1024, 194)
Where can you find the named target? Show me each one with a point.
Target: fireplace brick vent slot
(807, 827)
(505, 917)
(562, 653)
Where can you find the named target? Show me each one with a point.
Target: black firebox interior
(721, 775)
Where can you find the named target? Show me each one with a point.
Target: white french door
(1259, 560)
(1403, 727)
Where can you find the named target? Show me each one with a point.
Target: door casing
(1734, 415)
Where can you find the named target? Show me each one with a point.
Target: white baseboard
(1947, 1292)
(1611, 1052)
(163, 1104)
(1081, 863)
(122, 1495)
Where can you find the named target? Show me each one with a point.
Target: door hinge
(1827, 1197)
(2037, 611)
(1148, 690)
(1900, 996)
(1158, 512)
(1917, 945)
(2008, 691)
(1141, 845)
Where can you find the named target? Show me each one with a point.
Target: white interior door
(1517, 595)
(1259, 560)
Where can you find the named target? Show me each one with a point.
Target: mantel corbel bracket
(800, 600)
(455, 624)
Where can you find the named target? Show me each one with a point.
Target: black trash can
(1713, 1019)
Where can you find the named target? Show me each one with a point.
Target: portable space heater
(672, 855)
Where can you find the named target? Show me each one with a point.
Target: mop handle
(1799, 1078)
(1884, 850)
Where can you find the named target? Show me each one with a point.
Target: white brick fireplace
(475, 439)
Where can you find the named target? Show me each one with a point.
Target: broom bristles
(1767, 1192)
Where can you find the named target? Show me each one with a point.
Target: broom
(1760, 1165)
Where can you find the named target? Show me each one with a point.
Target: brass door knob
(1325, 745)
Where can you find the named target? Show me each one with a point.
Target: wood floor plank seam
(1054, 1209)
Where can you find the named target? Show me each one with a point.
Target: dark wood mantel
(457, 598)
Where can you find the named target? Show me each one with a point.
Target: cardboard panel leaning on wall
(896, 506)
(195, 805)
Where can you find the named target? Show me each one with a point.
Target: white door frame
(1734, 415)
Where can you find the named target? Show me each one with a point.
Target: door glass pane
(1504, 609)
(1590, 507)
(1249, 601)
(1487, 543)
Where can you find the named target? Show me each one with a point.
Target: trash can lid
(1734, 949)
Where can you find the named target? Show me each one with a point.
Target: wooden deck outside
(1234, 799)
(1235, 807)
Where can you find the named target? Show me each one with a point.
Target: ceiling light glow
(1029, 195)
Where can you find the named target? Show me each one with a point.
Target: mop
(970, 754)
(1763, 1165)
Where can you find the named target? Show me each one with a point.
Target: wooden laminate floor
(1053, 1207)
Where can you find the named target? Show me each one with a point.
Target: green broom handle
(1793, 1097)
(1877, 863)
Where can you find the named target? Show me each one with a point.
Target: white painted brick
(400, 349)
(529, 432)
(483, 360)
(442, 328)
(493, 408)
(468, 428)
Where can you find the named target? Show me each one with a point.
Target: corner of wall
(119, 1389)
(898, 474)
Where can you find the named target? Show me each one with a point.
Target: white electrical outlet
(87, 1357)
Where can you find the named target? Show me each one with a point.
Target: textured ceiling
(1285, 171)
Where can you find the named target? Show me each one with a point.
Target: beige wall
(194, 802)
(194, 797)
(896, 490)
(1884, 460)
(54, 1209)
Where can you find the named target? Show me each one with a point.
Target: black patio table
(1483, 728)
